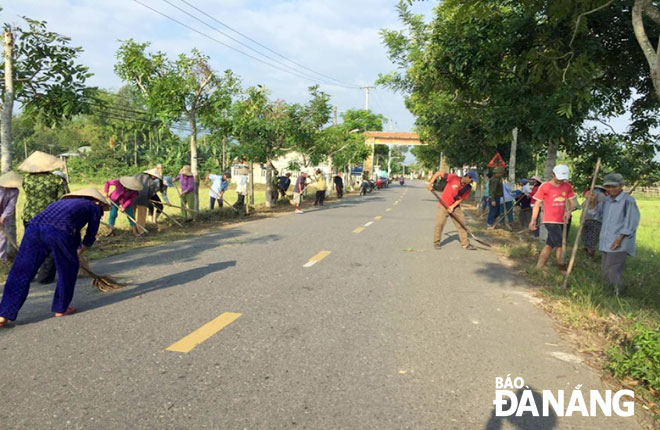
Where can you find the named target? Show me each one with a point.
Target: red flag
(497, 161)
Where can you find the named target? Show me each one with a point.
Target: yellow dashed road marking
(195, 338)
(358, 230)
(318, 257)
(378, 217)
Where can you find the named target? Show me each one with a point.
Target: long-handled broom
(103, 283)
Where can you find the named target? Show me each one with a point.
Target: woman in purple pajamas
(56, 230)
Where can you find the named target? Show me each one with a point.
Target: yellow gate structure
(373, 138)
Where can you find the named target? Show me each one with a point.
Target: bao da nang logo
(561, 403)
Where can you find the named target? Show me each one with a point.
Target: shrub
(638, 358)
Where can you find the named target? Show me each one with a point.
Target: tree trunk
(8, 104)
(251, 184)
(193, 158)
(550, 160)
(269, 187)
(5, 120)
(135, 148)
(512, 157)
(652, 57)
(224, 153)
(329, 177)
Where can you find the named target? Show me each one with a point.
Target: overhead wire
(246, 45)
(297, 74)
(266, 47)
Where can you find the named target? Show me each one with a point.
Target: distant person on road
(339, 185)
(485, 200)
(455, 192)
(187, 192)
(321, 188)
(241, 187)
(524, 203)
(507, 202)
(9, 184)
(299, 190)
(56, 230)
(620, 217)
(219, 185)
(496, 194)
(553, 195)
(285, 182)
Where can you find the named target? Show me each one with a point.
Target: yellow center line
(388, 209)
(396, 202)
(318, 257)
(378, 217)
(368, 224)
(195, 338)
(358, 230)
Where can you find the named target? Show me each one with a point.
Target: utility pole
(329, 176)
(366, 100)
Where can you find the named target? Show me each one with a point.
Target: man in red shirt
(553, 194)
(455, 192)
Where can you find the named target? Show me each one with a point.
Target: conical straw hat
(185, 170)
(153, 172)
(11, 180)
(130, 183)
(88, 192)
(39, 162)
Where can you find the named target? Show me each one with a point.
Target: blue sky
(337, 38)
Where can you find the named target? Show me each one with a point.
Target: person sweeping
(187, 191)
(56, 230)
(9, 184)
(42, 187)
(122, 197)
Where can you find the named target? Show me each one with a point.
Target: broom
(103, 282)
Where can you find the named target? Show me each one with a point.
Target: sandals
(69, 311)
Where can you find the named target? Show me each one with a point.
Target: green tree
(40, 71)
(173, 90)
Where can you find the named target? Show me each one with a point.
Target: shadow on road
(90, 299)
(525, 422)
(504, 275)
(185, 250)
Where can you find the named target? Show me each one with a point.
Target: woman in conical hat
(41, 186)
(152, 184)
(9, 183)
(121, 199)
(187, 190)
(56, 230)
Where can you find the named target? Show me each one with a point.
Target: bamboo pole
(571, 263)
(129, 217)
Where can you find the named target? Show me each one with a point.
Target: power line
(229, 46)
(264, 46)
(244, 44)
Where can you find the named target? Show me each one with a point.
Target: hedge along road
(293, 321)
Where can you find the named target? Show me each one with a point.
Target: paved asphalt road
(383, 333)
